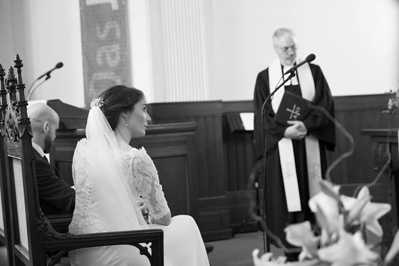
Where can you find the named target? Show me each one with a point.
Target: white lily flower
(301, 235)
(267, 260)
(361, 209)
(348, 251)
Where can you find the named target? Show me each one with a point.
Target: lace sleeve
(83, 187)
(79, 165)
(146, 181)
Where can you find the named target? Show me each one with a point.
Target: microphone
(308, 59)
(59, 65)
(47, 74)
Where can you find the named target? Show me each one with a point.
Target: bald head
(45, 122)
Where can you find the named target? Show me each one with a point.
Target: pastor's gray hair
(281, 31)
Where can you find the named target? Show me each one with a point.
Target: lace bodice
(145, 179)
(140, 173)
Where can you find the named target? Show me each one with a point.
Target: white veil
(115, 200)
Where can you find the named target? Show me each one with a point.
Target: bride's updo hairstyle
(119, 99)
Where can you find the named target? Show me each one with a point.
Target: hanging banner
(105, 45)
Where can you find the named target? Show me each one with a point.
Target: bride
(112, 178)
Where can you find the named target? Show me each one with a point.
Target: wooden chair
(33, 239)
(5, 219)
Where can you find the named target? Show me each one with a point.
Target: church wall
(44, 33)
(356, 43)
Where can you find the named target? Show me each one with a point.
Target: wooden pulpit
(384, 148)
(171, 146)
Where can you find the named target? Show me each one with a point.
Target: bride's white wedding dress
(109, 182)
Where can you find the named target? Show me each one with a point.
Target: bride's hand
(144, 210)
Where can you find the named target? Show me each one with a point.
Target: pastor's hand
(297, 130)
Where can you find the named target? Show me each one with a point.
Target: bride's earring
(126, 124)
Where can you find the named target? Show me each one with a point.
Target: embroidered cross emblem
(314, 171)
(295, 112)
(289, 171)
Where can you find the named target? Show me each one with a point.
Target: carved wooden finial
(10, 73)
(11, 82)
(20, 85)
(2, 72)
(18, 62)
(3, 93)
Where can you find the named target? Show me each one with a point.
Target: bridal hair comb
(97, 102)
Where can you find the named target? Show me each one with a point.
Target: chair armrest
(60, 222)
(155, 236)
(105, 239)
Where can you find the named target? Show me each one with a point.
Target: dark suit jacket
(55, 195)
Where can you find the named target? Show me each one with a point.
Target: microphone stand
(30, 91)
(266, 244)
(253, 175)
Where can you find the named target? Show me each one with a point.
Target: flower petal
(330, 190)
(393, 250)
(349, 250)
(370, 215)
(364, 192)
(267, 260)
(326, 209)
(301, 235)
(328, 219)
(357, 208)
(296, 234)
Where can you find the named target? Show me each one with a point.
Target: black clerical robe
(317, 124)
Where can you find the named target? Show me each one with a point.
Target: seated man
(55, 195)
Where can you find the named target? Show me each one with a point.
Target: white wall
(45, 32)
(140, 42)
(355, 42)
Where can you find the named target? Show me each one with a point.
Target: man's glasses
(286, 49)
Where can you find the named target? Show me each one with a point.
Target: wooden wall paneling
(214, 218)
(238, 147)
(356, 113)
(249, 158)
(240, 159)
(230, 152)
(239, 155)
(212, 202)
(242, 204)
(202, 149)
(209, 137)
(61, 154)
(214, 146)
(238, 106)
(176, 162)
